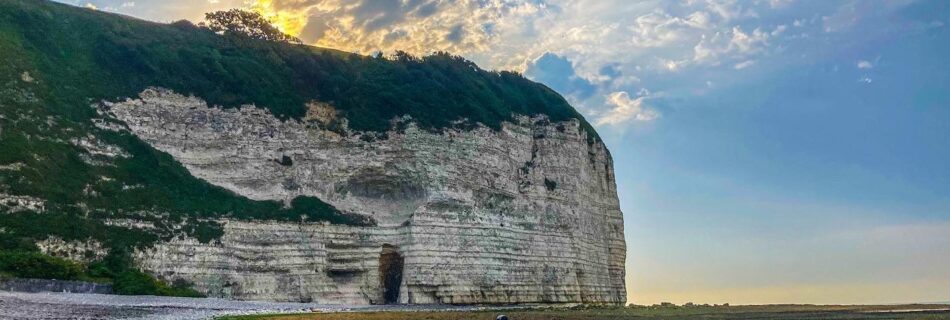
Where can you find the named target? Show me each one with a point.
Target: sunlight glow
(287, 21)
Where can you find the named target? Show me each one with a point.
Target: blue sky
(766, 151)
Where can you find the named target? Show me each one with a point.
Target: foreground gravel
(17, 305)
(52, 305)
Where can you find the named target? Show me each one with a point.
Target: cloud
(659, 28)
(729, 9)
(626, 109)
(779, 3)
(744, 64)
(779, 30)
(736, 44)
(864, 64)
(418, 26)
(748, 43)
(671, 65)
(558, 73)
(455, 34)
(509, 34)
(588, 50)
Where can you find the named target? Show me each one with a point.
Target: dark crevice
(390, 273)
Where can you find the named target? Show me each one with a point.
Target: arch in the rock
(390, 273)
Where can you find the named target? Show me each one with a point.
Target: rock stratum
(528, 213)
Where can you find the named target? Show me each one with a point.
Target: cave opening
(390, 273)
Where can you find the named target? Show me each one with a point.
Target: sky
(782, 151)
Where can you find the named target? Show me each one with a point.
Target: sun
(288, 22)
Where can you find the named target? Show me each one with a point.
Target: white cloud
(657, 29)
(748, 43)
(779, 3)
(672, 65)
(703, 52)
(864, 64)
(779, 30)
(699, 20)
(737, 45)
(626, 109)
(729, 9)
(744, 64)
(91, 6)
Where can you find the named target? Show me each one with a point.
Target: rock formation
(527, 213)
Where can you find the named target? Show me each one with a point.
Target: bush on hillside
(38, 265)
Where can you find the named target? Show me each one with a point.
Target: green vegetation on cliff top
(85, 54)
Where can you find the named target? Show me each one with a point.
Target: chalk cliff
(314, 175)
(527, 213)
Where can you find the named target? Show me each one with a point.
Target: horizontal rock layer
(527, 213)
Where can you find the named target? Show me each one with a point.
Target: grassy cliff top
(85, 54)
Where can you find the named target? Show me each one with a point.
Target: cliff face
(528, 213)
(421, 209)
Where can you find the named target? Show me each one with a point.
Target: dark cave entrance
(390, 273)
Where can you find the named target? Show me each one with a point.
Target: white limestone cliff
(527, 213)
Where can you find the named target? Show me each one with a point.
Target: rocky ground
(18, 305)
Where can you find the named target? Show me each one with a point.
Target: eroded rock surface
(528, 213)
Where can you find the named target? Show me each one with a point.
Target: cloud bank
(588, 50)
(591, 51)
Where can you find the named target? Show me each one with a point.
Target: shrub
(135, 282)
(15, 243)
(182, 288)
(38, 265)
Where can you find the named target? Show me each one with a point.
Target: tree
(246, 23)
